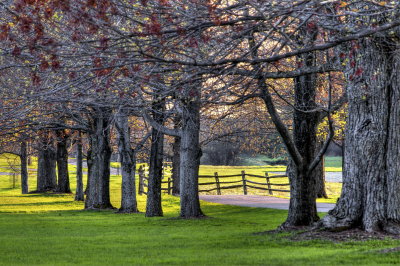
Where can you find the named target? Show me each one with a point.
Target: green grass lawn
(52, 229)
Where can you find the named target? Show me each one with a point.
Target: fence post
(169, 185)
(268, 183)
(217, 183)
(244, 182)
(141, 179)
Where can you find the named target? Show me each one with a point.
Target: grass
(51, 229)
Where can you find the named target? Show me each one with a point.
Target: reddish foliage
(136, 68)
(311, 26)
(72, 75)
(39, 30)
(4, 32)
(205, 37)
(93, 29)
(91, 3)
(29, 2)
(164, 2)
(181, 31)
(192, 42)
(154, 27)
(48, 13)
(104, 43)
(44, 65)
(35, 78)
(25, 24)
(97, 62)
(76, 36)
(124, 71)
(55, 65)
(359, 72)
(16, 51)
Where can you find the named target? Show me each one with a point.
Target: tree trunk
(370, 196)
(319, 173)
(190, 152)
(176, 160)
(128, 165)
(46, 174)
(62, 163)
(98, 191)
(79, 173)
(153, 204)
(302, 207)
(24, 168)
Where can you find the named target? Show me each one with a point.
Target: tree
(62, 162)
(153, 203)
(46, 173)
(79, 195)
(370, 174)
(99, 155)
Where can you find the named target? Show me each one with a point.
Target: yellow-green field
(10, 163)
(52, 229)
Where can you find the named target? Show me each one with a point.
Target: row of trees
(88, 64)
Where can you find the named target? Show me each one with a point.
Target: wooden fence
(220, 183)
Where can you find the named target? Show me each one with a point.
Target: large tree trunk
(302, 207)
(190, 157)
(24, 168)
(98, 191)
(128, 165)
(153, 204)
(370, 196)
(46, 174)
(62, 163)
(79, 171)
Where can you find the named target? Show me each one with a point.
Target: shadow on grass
(38, 203)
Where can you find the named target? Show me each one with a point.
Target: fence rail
(243, 182)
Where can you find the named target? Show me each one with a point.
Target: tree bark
(370, 196)
(24, 168)
(62, 162)
(190, 152)
(98, 191)
(79, 196)
(46, 174)
(128, 165)
(303, 183)
(319, 173)
(176, 160)
(153, 203)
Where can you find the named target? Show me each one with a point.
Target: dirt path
(258, 201)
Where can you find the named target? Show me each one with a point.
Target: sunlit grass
(52, 229)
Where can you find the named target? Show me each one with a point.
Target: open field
(9, 163)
